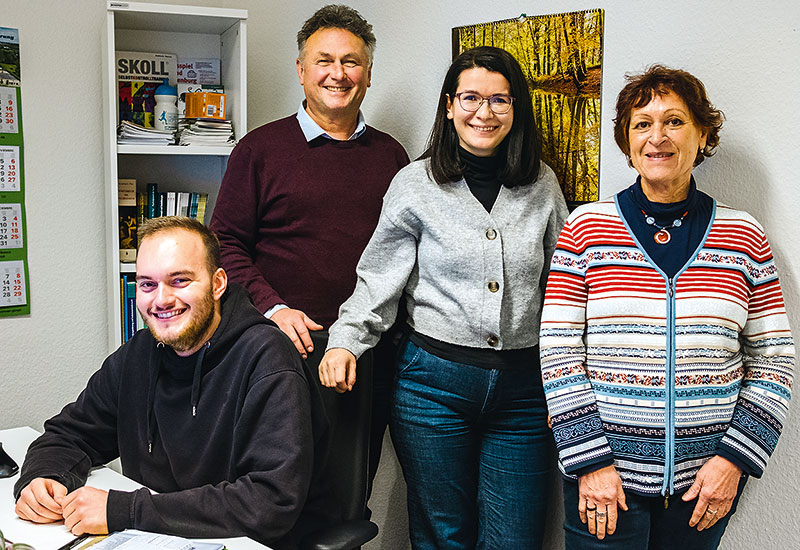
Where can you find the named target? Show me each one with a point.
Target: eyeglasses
(500, 104)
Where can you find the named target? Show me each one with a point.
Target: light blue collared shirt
(311, 130)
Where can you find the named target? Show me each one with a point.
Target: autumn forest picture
(561, 56)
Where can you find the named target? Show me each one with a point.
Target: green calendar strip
(14, 273)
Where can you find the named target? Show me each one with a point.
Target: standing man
(302, 195)
(210, 407)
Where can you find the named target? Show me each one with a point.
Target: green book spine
(131, 309)
(152, 201)
(193, 205)
(122, 286)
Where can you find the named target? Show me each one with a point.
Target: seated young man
(210, 408)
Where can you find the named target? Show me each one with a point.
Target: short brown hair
(171, 223)
(661, 80)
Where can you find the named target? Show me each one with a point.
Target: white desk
(52, 536)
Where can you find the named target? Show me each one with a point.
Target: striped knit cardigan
(657, 375)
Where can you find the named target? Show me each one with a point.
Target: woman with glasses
(463, 241)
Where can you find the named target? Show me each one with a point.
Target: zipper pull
(666, 502)
(670, 295)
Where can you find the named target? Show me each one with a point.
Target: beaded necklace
(662, 236)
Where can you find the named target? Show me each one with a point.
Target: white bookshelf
(187, 31)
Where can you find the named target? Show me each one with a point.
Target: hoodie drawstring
(198, 375)
(151, 394)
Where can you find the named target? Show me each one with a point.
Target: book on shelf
(122, 280)
(182, 206)
(130, 306)
(193, 200)
(171, 203)
(202, 200)
(141, 208)
(152, 203)
(123, 299)
(138, 75)
(130, 320)
(192, 209)
(126, 189)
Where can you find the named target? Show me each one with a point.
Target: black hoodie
(226, 437)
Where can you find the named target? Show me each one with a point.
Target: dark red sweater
(293, 217)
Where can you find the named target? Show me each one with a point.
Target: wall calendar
(14, 276)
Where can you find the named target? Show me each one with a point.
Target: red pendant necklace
(662, 236)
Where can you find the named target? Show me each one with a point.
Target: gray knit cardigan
(470, 277)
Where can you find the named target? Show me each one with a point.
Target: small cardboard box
(205, 105)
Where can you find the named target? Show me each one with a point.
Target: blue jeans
(647, 525)
(475, 450)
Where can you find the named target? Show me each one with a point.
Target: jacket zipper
(669, 388)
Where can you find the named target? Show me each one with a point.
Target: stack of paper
(197, 131)
(129, 133)
(131, 539)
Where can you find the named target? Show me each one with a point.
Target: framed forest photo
(562, 58)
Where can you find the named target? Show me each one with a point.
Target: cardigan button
(493, 286)
(492, 340)
(491, 234)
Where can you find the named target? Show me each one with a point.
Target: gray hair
(337, 16)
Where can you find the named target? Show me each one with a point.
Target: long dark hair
(521, 148)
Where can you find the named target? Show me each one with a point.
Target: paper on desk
(140, 540)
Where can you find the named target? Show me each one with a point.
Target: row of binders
(171, 203)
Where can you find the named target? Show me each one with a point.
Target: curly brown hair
(661, 80)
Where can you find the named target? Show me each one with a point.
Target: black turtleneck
(685, 239)
(481, 175)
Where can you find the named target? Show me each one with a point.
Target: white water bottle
(166, 111)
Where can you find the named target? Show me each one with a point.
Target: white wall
(745, 52)
(46, 357)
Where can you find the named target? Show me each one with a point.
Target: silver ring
(710, 511)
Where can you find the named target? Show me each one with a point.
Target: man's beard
(189, 337)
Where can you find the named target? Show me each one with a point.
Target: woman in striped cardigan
(666, 350)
